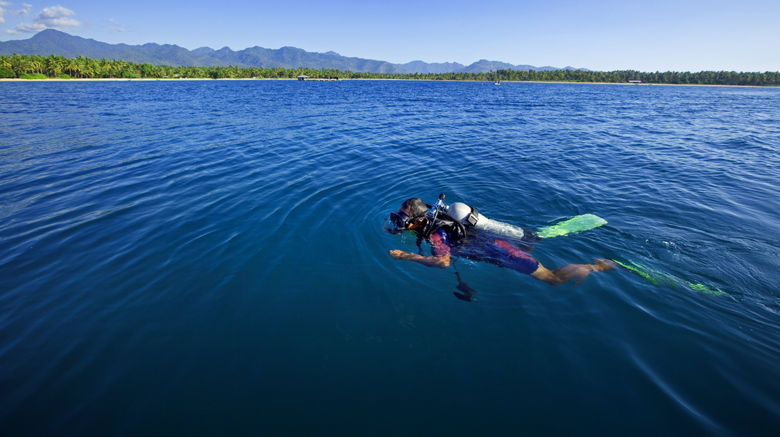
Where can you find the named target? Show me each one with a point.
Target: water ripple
(156, 237)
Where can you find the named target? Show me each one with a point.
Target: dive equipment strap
(473, 216)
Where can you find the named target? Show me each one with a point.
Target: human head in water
(409, 215)
(414, 207)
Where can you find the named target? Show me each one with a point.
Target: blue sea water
(208, 258)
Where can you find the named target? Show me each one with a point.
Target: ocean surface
(208, 257)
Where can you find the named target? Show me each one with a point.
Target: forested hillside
(40, 67)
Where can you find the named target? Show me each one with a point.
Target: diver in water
(459, 230)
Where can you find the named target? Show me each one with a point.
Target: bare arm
(441, 262)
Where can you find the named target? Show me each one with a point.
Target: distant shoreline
(116, 79)
(59, 67)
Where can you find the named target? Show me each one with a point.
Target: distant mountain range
(51, 41)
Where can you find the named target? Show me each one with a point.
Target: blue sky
(600, 35)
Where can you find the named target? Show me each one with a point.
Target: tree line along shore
(59, 67)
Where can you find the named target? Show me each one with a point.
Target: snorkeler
(459, 230)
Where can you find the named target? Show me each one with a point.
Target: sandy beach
(367, 79)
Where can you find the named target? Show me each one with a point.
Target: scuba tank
(469, 216)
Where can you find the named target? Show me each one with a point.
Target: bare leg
(576, 272)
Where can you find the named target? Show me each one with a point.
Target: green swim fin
(633, 269)
(701, 288)
(657, 278)
(579, 223)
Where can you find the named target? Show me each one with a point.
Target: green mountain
(51, 41)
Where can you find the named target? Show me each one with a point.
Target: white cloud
(57, 17)
(2, 10)
(25, 10)
(115, 26)
(28, 28)
(52, 17)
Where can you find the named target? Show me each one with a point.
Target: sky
(660, 35)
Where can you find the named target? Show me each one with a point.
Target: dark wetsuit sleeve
(439, 244)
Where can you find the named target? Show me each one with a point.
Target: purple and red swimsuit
(484, 247)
